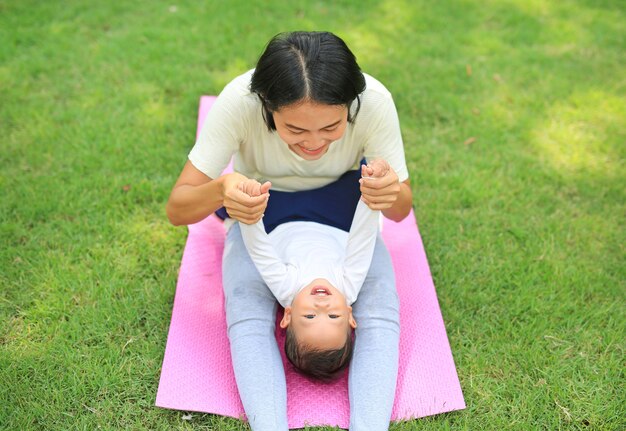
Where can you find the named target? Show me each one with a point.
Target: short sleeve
(383, 138)
(223, 131)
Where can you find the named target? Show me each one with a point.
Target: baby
(315, 272)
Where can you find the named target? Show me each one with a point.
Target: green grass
(523, 225)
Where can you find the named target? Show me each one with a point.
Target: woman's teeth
(312, 150)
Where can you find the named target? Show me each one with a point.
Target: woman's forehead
(311, 116)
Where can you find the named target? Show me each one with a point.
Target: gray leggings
(251, 318)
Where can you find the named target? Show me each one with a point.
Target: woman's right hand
(240, 205)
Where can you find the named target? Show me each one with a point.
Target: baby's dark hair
(323, 365)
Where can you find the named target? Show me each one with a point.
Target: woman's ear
(286, 320)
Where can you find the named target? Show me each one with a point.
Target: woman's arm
(195, 196)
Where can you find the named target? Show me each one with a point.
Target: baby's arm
(362, 238)
(275, 273)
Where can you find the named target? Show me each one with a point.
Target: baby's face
(320, 316)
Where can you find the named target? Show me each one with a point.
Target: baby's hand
(253, 188)
(375, 169)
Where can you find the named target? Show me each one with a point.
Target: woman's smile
(310, 128)
(313, 151)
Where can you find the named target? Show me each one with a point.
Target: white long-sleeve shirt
(296, 253)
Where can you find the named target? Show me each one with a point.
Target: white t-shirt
(234, 128)
(296, 253)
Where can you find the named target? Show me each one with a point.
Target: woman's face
(309, 128)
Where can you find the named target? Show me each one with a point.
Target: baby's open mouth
(320, 291)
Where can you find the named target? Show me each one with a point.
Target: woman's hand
(379, 185)
(239, 197)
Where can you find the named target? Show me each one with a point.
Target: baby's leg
(251, 319)
(374, 367)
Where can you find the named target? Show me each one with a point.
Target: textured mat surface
(197, 374)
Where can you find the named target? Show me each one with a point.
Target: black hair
(307, 66)
(319, 364)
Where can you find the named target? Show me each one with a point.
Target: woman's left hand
(380, 193)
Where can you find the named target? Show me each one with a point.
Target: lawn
(514, 120)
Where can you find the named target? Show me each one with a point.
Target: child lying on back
(316, 272)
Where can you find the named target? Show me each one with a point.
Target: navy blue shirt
(333, 204)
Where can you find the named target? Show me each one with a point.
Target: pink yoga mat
(197, 374)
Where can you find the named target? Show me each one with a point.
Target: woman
(304, 117)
